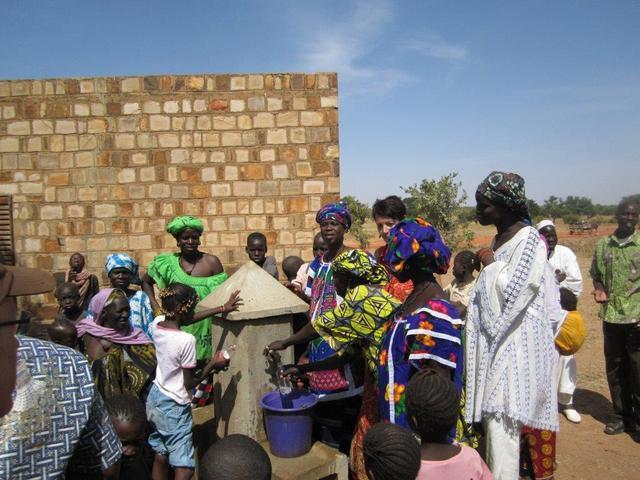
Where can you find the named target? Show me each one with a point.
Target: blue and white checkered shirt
(58, 419)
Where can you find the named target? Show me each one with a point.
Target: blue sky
(550, 90)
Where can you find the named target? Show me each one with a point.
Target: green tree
(360, 212)
(553, 207)
(579, 206)
(441, 202)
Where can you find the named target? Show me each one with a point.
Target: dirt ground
(584, 451)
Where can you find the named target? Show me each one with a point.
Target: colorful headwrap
(506, 189)
(417, 240)
(335, 211)
(92, 324)
(121, 260)
(360, 264)
(180, 224)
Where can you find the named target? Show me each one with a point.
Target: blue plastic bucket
(289, 430)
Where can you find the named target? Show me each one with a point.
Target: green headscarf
(359, 264)
(180, 224)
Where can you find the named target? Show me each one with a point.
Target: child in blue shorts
(169, 401)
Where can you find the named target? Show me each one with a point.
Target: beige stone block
(238, 83)
(311, 119)
(190, 123)
(267, 155)
(75, 211)
(87, 194)
(290, 187)
(159, 122)
(19, 128)
(96, 126)
(34, 144)
(146, 140)
(56, 143)
(96, 244)
(229, 240)
(332, 151)
(241, 155)
(267, 188)
(180, 191)
(199, 105)
(178, 123)
(127, 175)
(264, 120)
(186, 105)
(299, 103)
(210, 140)
(333, 185)
(151, 106)
(255, 82)
(125, 140)
(5, 89)
(180, 155)
(127, 124)
(313, 187)
(280, 171)
(86, 86)
(330, 101)
(32, 245)
(203, 122)
(131, 108)
(133, 84)
(137, 191)
(303, 169)
(208, 174)
(237, 223)
(230, 173)
(10, 161)
(198, 156)
(274, 104)
(280, 222)
(257, 206)
(8, 112)
(19, 88)
(195, 83)
(84, 159)
(245, 122)
(159, 190)
(237, 105)
(42, 127)
(231, 139)
(172, 106)
(81, 109)
(297, 135)
(147, 174)
(9, 144)
(217, 157)
(287, 119)
(244, 189)
(229, 208)
(320, 135)
(256, 104)
(98, 109)
(88, 142)
(168, 140)
(139, 159)
(276, 136)
(9, 189)
(105, 210)
(71, 143)
(65, 126)
(51, 212)
(31, 188)
(220, 190)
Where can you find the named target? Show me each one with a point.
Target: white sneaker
(572, 415)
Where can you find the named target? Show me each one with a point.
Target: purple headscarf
(92, 324)
(335, 211)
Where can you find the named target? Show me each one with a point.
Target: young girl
(433, 406)
(169, 401)
(460, 288)
(130, 423)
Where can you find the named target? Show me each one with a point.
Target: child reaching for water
(433, 406)
(169, 401)
(130, 423)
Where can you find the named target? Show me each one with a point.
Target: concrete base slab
(321, 462)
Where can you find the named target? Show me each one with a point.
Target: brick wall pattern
(101, 165)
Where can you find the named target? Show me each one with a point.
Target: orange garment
(396, 288)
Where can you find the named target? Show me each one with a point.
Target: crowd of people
(415, 380)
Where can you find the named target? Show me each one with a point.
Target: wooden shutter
(7, 253)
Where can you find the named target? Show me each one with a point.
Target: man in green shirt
(616, 279)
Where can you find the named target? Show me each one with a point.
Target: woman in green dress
(190, 266)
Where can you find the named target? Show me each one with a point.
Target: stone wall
(100, 165)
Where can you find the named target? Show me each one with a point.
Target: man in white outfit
(567, 272)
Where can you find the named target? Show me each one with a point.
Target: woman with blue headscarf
(122, 271)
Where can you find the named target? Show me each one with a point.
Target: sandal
(615, 427)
